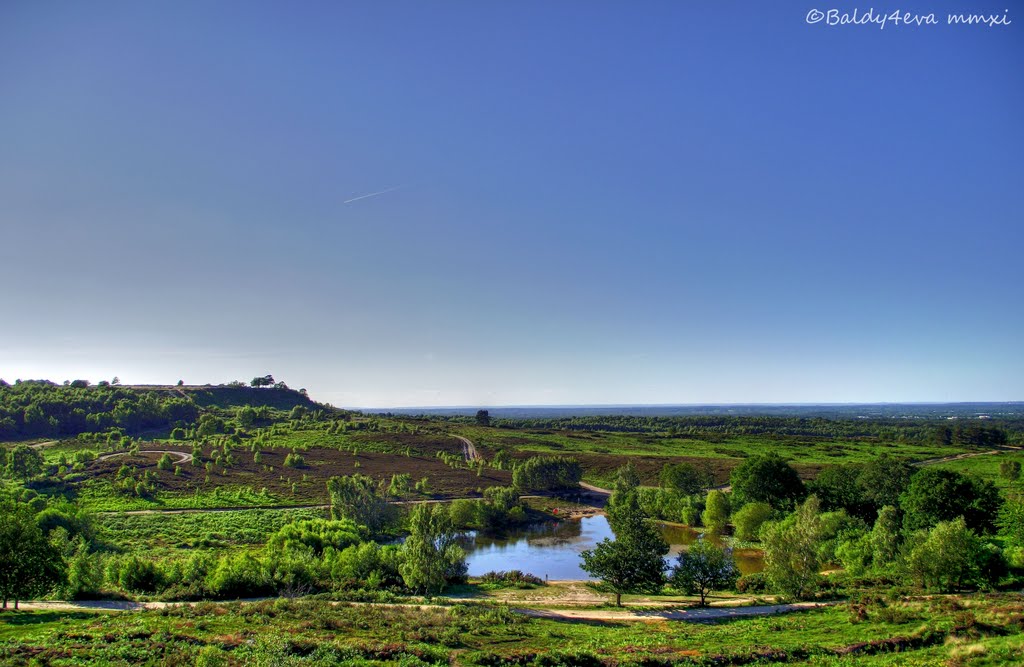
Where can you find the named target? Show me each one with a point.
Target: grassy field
(985, 466)
(983, 630)
(170, 534)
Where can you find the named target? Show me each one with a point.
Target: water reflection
(553, 550)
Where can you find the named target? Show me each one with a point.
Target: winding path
(468, 449)
(694, 614)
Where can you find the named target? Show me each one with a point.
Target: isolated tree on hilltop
(483, 418)
(265, 381)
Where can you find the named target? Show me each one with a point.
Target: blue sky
(597, 202)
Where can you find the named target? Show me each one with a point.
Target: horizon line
(681, 405)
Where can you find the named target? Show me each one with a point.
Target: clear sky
(582, 201)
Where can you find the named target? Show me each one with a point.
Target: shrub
(510, 579)
(135, 574)
(749, 519)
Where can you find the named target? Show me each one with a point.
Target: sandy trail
(695, 614)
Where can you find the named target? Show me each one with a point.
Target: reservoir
(552, 550)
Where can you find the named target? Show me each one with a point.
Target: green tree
(704, 568)
(246, 415)
(265, 381)
(886, 537)
(936, 495)
(684, 478)
(768, 479)
(715, 516)
(357, 499)
(749, 519)
(838, 488)
(430, 555)
(29, 565)
(883, 480)
(483, 418)
(1009, 470)
(633, 562)
(1011, 520)
(949, 558)
(545, 473)
(791, 550)
(25, 462)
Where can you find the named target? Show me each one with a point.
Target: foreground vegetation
(275, 495)
(982, 630)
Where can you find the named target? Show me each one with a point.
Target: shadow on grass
(23, 618)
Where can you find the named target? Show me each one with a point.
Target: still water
(553, 550)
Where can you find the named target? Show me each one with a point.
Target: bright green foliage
(165, 462)
(84, 575)
(238, 576)
(627, 479)
(791, 550)
(634, 561)
(24, 462)
(135, 573)
(951, 557)
(936, 495)
(246, 415)
(545, 473)
(768, 479)
(886, 537)
(1009, 470)
(1011, 520)
(749, 519)
(704, 568)
(663, 504)
(430, 555)
(316, 535)
(39, 408)
(401, 485)
(356, 498)
(684, 478)
(463, 513)
(716, 512)
(29, 565)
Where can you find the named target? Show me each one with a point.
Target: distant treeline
(969, 433)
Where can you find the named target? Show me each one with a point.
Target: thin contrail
(372, 194)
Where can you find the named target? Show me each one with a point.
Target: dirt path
(966, 455)
(696, 614)
(468, 449)
(40, 445)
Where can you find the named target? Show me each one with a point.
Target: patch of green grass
(99, 495)
(316, 632)
(986, 466)
(164, 534)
